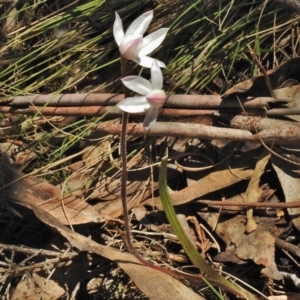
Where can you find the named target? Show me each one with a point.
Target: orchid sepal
(132, 44)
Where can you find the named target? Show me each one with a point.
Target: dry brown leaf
(93, 159)
(258, 245)
(289, 177)
(139, 212)
(138, 191)
(108, 187)
(138, 188)
(227, 174)
(77, 184)
(96, 154)
(291, 93)
(254, 192)
(36, 287)
(153, 283)
(31, 191)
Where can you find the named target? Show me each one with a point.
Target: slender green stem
(212, 275)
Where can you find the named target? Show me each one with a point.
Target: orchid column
(133, 46)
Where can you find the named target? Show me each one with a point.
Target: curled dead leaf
(30, 191)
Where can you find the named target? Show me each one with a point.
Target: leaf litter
(258, 246)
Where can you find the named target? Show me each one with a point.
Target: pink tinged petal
(156, 98)
(137, 84)
(131, 46)
(150, 118)
(118, 30)
(147, 61)
(141, 24)
(153, 41)
(134, 105)
(156, 76)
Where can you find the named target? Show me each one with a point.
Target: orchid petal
(156, 76)
(150, 118)
(153, 41)
(118, 30)
(141, 24)
(134, 105)
(131, 46)
(147, 61)
(137, 84)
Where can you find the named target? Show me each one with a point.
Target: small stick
(267, 79)
(250, 204)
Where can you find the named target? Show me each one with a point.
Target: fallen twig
(288, 135)
(33, 251)
(250, 204)
(177, 130)
(178, 101)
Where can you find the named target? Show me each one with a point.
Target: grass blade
(187, 245)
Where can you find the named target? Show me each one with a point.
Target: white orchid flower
(153, 96)
(132, 44)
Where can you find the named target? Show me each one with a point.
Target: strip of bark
(92, 111)
(178, 101)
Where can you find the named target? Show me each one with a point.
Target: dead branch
(177, 130)
(190, 130)
(178, 101)
(92, 111)
(241, 117)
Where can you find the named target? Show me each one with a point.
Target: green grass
(68, 50)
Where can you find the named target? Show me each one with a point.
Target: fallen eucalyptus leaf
(36, 287)
(254, 192)
(289, 177)
(258, 245)
(19, 189)
(153, 283)
(228, 173)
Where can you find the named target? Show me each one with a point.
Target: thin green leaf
(187, 245)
